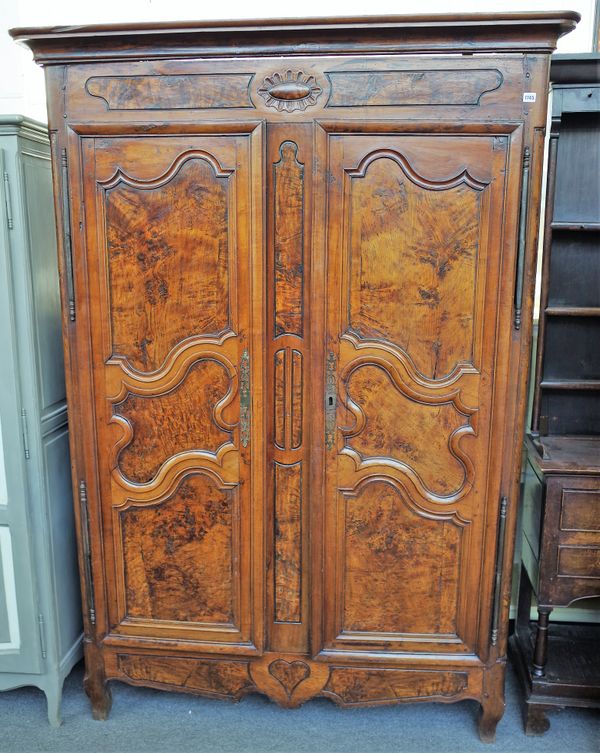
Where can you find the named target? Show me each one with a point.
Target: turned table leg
(540, 653)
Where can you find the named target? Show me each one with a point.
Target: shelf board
(570, 384)
(586, 226)
(572, 311)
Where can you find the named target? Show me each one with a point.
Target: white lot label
(529, 97)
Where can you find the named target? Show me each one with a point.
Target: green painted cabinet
(40, 624)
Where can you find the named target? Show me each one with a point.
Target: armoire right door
(419, 238)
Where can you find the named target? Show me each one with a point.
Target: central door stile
(289, 176)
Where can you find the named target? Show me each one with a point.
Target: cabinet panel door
(419, 265)
(170, 266)
(19, 628)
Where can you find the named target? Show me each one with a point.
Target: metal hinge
(25, 433)
(499, 563)
(9, 217)
(522, 238)
(87, 552)
(66, 212)
(42, 629)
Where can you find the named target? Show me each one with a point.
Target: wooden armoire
(297, 262)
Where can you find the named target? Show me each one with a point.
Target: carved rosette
(289, 91)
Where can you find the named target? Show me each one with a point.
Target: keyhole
(330, 401)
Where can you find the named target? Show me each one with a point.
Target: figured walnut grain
(183, 419)
(156, 236)
(401, 569)
(413, 260)
(178, 555)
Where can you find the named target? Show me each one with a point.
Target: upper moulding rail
(462, 33)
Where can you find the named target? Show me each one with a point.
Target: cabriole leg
(53, 693)
(95, 683)
(492, 710)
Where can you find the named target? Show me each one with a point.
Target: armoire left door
(172, 269)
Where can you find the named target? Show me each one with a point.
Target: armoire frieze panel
(403, 88)
(200, 91)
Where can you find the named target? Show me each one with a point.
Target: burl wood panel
(397, 427)
(401, 88)
(222, 678)
(421, 297)
(288, 190)
(279, 397)
(297, 397)
(288, 542)
(401, 569)
(157, 231)
(179, 555)
(354, 685)
(185, 92)
(182, 419)
(288, 398)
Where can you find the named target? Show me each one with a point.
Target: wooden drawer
(570, 556)
(580, 511)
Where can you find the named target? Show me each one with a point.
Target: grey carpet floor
(150, 721)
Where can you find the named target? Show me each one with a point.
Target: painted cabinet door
(418, 298)
(170, 262)
(19, 628)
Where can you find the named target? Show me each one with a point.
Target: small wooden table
(559, 665)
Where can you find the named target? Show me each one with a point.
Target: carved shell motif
(291, 91)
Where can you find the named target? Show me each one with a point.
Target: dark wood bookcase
(567, 377)
(559, 664)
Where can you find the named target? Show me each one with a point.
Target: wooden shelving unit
(559, 664)
(567, 379)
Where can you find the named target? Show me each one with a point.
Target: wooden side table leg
(523, 605)
(540, 653)
(536, 721)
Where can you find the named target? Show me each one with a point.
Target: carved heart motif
(289, 674)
